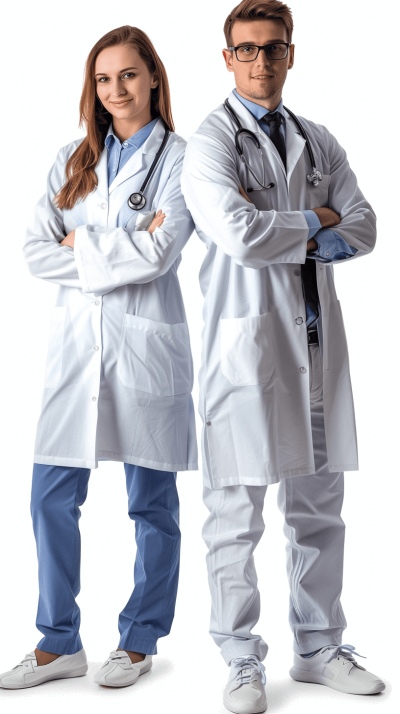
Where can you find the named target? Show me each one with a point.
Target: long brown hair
(80, 169)
(258, 10)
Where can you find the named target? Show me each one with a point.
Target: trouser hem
(136, 644)
(240, 648)
(59, 645)
(313, 642)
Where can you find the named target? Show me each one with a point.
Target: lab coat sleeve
(46, 258)
(357, 225)
(253, 238)
(110, 257)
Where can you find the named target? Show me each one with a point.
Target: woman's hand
(157, 221)
(69, 239)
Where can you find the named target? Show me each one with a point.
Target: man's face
(262, 79)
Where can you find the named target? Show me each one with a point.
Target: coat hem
(110, 456)
(270, 480)
(136, 461)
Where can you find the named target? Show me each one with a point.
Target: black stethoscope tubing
(314, 178)
(137, 200)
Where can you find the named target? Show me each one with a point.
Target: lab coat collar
(135, 163)
(294, 141)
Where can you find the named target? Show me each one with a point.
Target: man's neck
(270, 103)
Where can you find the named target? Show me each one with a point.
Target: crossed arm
(157, 221)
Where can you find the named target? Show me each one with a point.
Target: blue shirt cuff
(331, 246)
(313, 222)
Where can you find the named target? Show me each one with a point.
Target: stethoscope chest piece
(315, 177)
(136, 201)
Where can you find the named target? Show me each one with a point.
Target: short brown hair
(256, 10)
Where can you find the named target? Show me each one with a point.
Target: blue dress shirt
(120, 153)
(330, 245)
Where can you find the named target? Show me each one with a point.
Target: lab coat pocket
(56, 345)
(318, 195)
(246, 350)
(155, 357)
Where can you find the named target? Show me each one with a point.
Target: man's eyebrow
(121, 70)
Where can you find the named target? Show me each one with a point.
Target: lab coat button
(297, 272)
(95, 348)
(303, 370)
(103, 205)
(97, 302)
(208, 423)
(94, 399)
(299, 320)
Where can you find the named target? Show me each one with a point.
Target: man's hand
(312, 244)
(244, 194)
(69, 240)
(327, 217)
(157, 221)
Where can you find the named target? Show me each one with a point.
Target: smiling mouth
(263, 76)
(123, 101)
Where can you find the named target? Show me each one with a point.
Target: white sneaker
(118, 670)
(245, 691)
(336, 667)
(28, 673)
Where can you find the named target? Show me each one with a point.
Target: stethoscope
(137, 201)
(314, 178)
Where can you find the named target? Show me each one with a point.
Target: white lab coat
(119, 369)
(254, 382)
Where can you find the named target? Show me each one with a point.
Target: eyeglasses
(249, 53)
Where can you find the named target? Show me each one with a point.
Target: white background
(344, 74)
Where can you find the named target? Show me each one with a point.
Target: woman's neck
(125, 128)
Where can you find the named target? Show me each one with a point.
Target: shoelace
(252, 668)
(347, 652)
(28, 658)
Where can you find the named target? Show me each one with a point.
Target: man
(276, 398)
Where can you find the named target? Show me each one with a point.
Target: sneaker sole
(301, 675)
(145, 669)
(239, 710)
(61, 675)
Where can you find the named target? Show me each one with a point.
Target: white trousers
(311, 506)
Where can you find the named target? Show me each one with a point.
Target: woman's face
(123, 82)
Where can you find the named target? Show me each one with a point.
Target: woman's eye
(129, 74)
(103, 79)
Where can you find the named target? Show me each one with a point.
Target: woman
(119, 371)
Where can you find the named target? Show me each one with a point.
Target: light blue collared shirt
(331, 246)
(120, 153)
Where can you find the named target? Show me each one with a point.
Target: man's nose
(263, 59)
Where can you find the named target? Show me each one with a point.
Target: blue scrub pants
(57, 494)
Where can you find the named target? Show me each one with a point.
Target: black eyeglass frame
(261, 47)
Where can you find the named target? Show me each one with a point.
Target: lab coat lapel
(141, 157)
(295, 145)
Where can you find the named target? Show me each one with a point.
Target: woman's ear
(154, 82)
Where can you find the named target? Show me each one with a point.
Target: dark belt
(313, 337)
